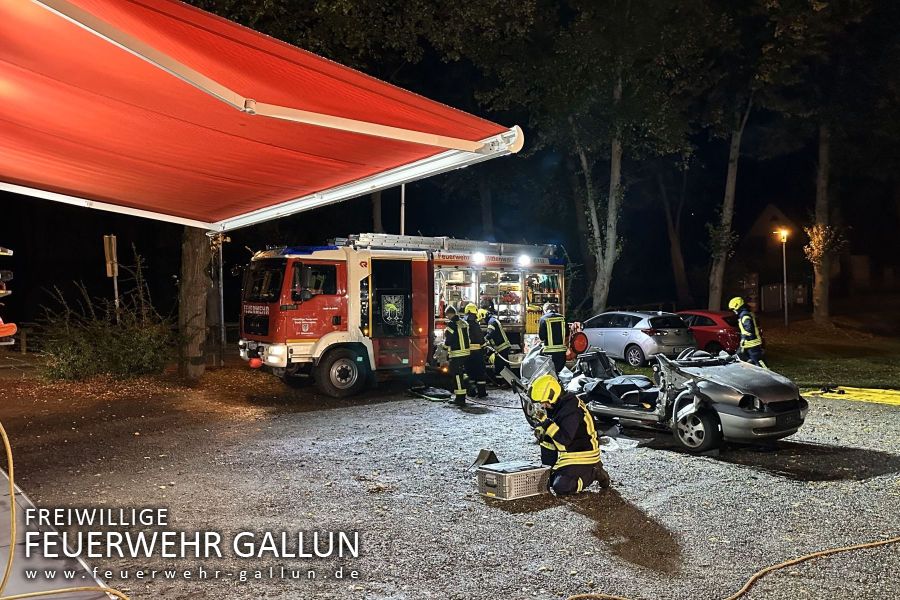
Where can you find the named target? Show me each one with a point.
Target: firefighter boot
(481, 387)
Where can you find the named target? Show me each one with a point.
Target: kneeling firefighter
(495, 336)
(456, 340)
(475, 363)
(751, 348)
(568, 439)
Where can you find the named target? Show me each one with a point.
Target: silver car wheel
(635, 356)
(691, 431)
(343, 373)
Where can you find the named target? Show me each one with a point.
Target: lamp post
(783, 236)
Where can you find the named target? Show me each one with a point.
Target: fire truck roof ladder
(443, 243)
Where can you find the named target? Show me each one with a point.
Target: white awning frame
(450, 160)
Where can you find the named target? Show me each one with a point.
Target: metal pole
(221, 303)
(402, 209)
(784, 267)
(116, 295)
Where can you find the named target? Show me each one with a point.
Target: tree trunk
(682, 289)
(192, 291)
(377, 226)
(720, 253)
(610, 237)
(822, 267)
(487, 208)
(584, 234)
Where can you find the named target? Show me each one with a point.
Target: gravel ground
(241, 452)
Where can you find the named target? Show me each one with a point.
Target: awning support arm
(144, 51)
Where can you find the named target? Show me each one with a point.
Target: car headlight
(750, 403)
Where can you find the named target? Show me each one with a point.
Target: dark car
(714, 330)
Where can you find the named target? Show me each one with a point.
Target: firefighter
(568, 439)
(475, 363)
(495, 336)
(456, 340)
(552, 331)
(751, 348)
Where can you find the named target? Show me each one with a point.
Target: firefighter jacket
(476, 336)
(496, 335)
(750, 335)
(456, 337)
(552, 331)
(569, 429)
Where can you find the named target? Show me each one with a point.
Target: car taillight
(652, 331)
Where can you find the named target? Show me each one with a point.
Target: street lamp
(782, 234)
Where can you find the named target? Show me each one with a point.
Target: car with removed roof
(636, 335)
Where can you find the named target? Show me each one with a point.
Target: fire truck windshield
(262, 281)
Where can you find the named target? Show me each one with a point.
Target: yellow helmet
(735, 303)
(471, 309)
(482, 314)
(546, 389)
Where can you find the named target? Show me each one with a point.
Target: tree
(672, 212)
(808, 69)
(596, 90)
(192, 290)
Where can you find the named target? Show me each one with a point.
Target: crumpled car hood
(766, 385)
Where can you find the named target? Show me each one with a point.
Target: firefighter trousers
(559, 360)
(754, 356)
(477, 373)
(457, 371)
(568, 480)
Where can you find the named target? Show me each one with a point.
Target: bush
(94, 338)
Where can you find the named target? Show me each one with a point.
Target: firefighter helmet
(471, 309)
(550, 307)
(482, 314)
(449, 311)
(735, 303)
(546, 389)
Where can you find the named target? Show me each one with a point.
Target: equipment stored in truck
(336, 314)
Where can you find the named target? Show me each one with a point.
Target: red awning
(156, 108)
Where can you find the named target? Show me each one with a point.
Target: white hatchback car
(635, 336)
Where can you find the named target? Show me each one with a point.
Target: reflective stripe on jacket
(750, 335)
(496, 334)
(571, 430)
(552, 331)
(456, 337)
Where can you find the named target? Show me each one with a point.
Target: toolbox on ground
(511, 480)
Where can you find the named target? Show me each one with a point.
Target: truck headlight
(277, 350)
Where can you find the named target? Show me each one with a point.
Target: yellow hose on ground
(12, 543)
(762, 572)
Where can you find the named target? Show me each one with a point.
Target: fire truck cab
(373, 302)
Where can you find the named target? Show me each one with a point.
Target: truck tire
(342, 372)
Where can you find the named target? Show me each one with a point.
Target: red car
(714, 330)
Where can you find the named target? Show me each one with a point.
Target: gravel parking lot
(242, 452)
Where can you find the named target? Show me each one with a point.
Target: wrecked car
(702, 399)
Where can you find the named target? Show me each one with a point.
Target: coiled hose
(12, 543)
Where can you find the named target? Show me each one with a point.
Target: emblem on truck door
(392, 308)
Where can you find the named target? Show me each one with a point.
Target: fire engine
(337, 314)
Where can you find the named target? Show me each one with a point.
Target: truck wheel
(341, 373)
(699, 432)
